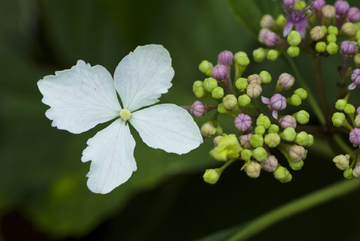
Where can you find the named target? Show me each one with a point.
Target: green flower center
(125, 114)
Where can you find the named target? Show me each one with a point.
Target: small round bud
(294, 38)
(282, 174)
(216, 140)
(317, 33)
(272, 140)
(320, 47)
(281, 20)
(267, 21)
(263, 120)
(242, 59)
(270, 164)
(229, 101)
(273, 54)
(210, 84)
(296, 166)
(293, 51)
(206, 67)
(286, 81)
(261, 35)
(271, 39)
(301, 92)
(246, 154)
(348, 29)
(357, 60)
(254, 79)
(328, 11)
(259, 54)
(225, 57)
(341, 7)
(198, 89)
(288, 121)
(338, 119)
(241, 84)
(197, 109)
(207, 130)
(294, 100)
(311, 140)
(244, 100)
(219, 72)
(259, 154)
(243, 122)
(356, 171)
(253, 169)
(349, 48)
(332, 48)
(245, 140)
(256, 140)
(219, 130)
(273, 128)
(348, 173)
(353, 14)
(349, 109)
(259, 130)
(354, 136)
(355, 77)
(265, 76)
(357, 121)
(217, 93)
(333, 30)
(221, 109)
(318, 4)
(331, 38)
(302, 117)
(325, 29)
(341, 161)
(296, 153)
(288, 134)
(253, 90)
(298, 5)
(211, 176)
(340, 104)
(302, 138)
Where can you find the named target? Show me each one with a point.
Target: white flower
(84, 96)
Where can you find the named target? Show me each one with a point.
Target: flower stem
(294, 207)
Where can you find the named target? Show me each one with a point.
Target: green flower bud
(197, 84)
(296, 166)
(211, 176)
(242, 59)
(349, 109)
(302, 117)
(331, 38)
(294, 100)
(263, 120)
(348, 173)
(333, 30)
(259, 154)
(207, 130)
(302, 138)
(265, 76)
(294, 38)
(206, 67)
(357, 59)
(348, 29)
(273, 54)
(256, 140)
(241, 84)
(293, 51)
(210, 84)
(272, 140)
(342, 161)
(357, 35)
(280, 20)
(282, 174)
(311, 140)
(218, 93)
(259, 54)
(332, 48)
(229, 101)
(219, 130)
(301, 92)
(357, 121)
(244, 100)
(246, 154)
(253, 169)
(228, 147)
(288, 134)
(259, 130)
(299, 5)
(325, 29)
(199, 92)
(340, 104)
(221, 109)
(297, 153)
(317, 33)
(321, 46)
(338, 119)
(273, 128)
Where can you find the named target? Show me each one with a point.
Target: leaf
(221, 235)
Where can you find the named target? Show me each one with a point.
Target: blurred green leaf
(221, 235)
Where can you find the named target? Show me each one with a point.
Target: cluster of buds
(326, 23)
(258, 128)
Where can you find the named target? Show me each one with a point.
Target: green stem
(294, 207)
(313, 103)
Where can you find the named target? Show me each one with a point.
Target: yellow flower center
(125, 114)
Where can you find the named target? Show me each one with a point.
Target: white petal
(143, 75)
(168, 127)
(80, 97)
(112, 154)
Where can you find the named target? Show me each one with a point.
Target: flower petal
(112, 154)
(287, 28)
(143, 75)
(167, 127)
(265, 100)
(80, 97)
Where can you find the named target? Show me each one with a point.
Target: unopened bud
(211, 176)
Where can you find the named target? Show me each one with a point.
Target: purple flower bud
(341, 7)
(318, 4)
(267, 21)
(356, 171)
(349, 48)
(271, 39)
(254, 78)
(296, 153)
(289, 3)
(245, 141)
(288, 121)
(253, 90)
(262, 34)
(225, 57)
(277, 102)
(216, 140)
(354, 136)
(219, 72)
(243, 122)
(197, 109)
(353, 14)
(358, 110)
(270, 163)
(286, 80)
(328, 11)
(355, 76)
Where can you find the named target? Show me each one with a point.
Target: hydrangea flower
(84, 96)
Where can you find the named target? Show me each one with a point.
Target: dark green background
(43, 193)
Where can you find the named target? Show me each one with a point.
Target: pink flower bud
(349, 48)
(225, 57)
(355, 77)
(271, 39)
(353, 14)
(318, 4)
(219, 72)
(286, 80)
(288, 121)
(354, 136)
(197, 109)
(243, 122)
(296, 153)
(270, 163)
(341, 7)
(245, 141)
